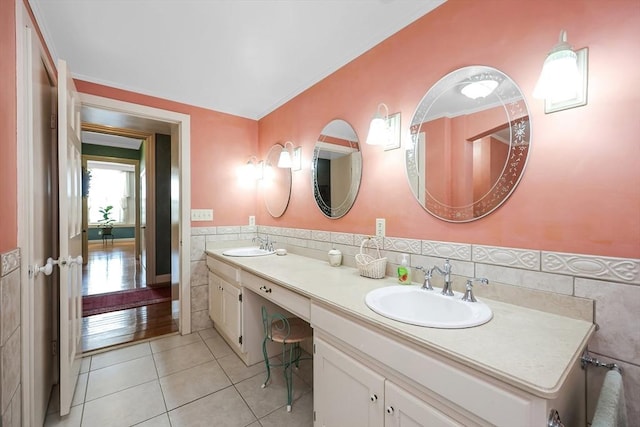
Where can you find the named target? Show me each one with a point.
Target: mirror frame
(346, 205)
(272, 160)
(517, 119)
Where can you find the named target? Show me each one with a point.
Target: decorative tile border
(518, 258)
(623, 270)
(9, 261)
(603, 268)
(231, 229)
(403, 245)
(321, 236)
(446, 250)
(342, 238)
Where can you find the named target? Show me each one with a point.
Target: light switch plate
(252, 220)
(201, 214)
(380, 227)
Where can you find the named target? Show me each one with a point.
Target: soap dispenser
(404, 271)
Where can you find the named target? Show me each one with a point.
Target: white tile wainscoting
(10, 345)
(528, 275)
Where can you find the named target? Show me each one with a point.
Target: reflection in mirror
(336, 169)
(469, 144)
(276, 183)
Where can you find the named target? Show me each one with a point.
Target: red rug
(122, 300)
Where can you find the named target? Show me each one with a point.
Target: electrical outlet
(252, 220)
(380, 227)
(201, 214)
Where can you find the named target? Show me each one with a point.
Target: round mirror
(276, 183)
(336, 169)
(469, 144)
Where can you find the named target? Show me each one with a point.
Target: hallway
(112, 267)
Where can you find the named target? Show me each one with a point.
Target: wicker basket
(369, 266)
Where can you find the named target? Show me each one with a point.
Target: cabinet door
(215, 300)
(402, 409)
(345, 392)
(232, 312)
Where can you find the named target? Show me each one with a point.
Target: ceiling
(242, 57)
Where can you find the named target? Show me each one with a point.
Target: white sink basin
(410, 304)
(248, 251)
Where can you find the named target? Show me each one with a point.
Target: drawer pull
(390, 410)
(265, 289)
(374, 397)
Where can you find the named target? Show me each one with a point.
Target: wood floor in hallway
(113, 267)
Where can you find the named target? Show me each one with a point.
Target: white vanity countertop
(529, 349)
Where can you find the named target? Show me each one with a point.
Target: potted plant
(106, 223)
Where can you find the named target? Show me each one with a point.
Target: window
(111, 184)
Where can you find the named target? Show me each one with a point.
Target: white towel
(611, 410)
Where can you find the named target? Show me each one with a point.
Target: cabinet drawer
(290, 301)
(225, 270)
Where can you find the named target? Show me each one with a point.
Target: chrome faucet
(265, 243)
(446, 273)
(426, 285)
(468, 293)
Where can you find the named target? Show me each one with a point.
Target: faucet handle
(426, 285)
(468, 293)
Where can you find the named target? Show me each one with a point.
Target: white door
(41, 220)
(70, 234)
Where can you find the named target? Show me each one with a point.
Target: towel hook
(587, 359)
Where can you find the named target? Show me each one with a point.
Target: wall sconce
(384, 129)
(563, 80)
(290, 158)
(253, 169)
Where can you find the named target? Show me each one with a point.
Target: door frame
(183, 124)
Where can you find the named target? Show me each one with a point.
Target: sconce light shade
(285, 159)
(384, 129)
(563, 80)
(290, 159)
(253, 169)
(377, 131)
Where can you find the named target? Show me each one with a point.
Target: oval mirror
(469, 144)
(336, 169)
(276, 183)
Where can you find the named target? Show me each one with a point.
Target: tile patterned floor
(191, 380)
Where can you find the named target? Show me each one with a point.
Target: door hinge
(314, 348)
(240, 339)
(240, 297)
(54, 121)
(54, 348)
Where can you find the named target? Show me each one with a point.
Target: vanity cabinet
(377, 373)
(420, 387)
(236, 299)
(374, 401)
(225, 302)
(225, 309)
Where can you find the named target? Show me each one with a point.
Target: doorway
(120, 305)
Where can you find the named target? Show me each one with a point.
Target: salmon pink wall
(8, 126)
(220, 143)
(581, 187)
